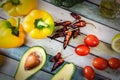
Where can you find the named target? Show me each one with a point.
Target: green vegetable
(65, 73)
(31, 62)
(66, 3)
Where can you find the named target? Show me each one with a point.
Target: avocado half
(31, 62)
(65, 73)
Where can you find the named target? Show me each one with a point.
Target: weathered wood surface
(10, 66)
(104, 32)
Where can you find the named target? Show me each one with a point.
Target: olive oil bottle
(110, 8)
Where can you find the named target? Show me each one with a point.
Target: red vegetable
(56, 57)
(91, 40)
(89, 73)
(75, 15)
(114, 63)
(82, 50)
(64, 23)
(80, 23)
(57, 64)
(100, 63)
(76, 32)
(67, 38)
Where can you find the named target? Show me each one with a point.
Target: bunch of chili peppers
(69, 29)
(58, 60)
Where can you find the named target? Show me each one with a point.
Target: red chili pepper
(75, 15)
(60, 34)
(57, 64)
(58, 60)
(76, 32)
(80, 23)
(56, 57)
(64, 23)
(67, 38)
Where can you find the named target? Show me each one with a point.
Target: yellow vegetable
(18, 7)
(11, 35)
(38, 24)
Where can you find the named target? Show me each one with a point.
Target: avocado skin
(22, 61)
(64, 66)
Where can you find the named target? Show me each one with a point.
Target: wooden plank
(77, 60)
(61, 14)
(8, 69)
(5, 77)
(95, 1)
(18, 52)
(41, 75)
(103, 50)
(53, 46)
(91, 11)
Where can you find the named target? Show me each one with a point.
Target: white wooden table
(103, 32)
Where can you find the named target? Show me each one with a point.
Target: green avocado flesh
(21, 72)
(65, 73)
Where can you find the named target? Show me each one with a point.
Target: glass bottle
(110, 8)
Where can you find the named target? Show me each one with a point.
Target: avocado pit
(32, 61)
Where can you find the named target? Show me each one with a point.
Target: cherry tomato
(114, 63)
(82, 50)
(100, 63)
(89, 73)
(91, 40)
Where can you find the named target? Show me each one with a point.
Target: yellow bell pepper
(18, 7)
(38, 24)
(11, 36)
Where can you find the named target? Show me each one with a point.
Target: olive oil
(110, 8)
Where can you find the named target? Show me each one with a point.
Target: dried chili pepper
(60, 33)
(67, 38)
(64, 23)
(76, 32)
(58, 60)
(75, 15)
(56, 57)
(80, 23)
(70, 29)
(57, 64)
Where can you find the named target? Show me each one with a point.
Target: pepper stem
(15, 2)
(40, 24)
(15, 30)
